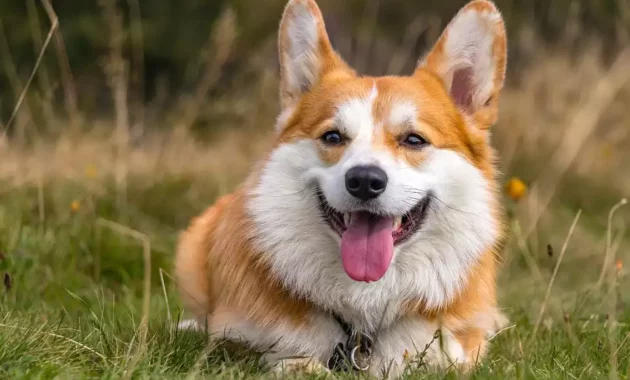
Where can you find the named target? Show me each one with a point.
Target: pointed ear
(306, 54)
(470, 57)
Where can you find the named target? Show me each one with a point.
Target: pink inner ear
(462, 88)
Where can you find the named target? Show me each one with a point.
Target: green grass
(71, 304)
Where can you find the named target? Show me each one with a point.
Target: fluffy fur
(262, 266)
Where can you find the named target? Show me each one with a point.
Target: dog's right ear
(470, 57)
(306, 54)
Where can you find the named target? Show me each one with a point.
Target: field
(89, 220)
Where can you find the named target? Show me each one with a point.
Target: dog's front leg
(285, 345)
(411, 342)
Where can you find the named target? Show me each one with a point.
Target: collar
(356, 353)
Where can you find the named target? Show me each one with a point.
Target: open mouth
(368, 239)
(403, 227)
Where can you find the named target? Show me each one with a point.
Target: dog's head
(381, 176)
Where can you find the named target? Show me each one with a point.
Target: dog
(374, 221)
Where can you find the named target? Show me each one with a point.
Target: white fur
(354, 118)
(316, 339)
(189, 324)
(414, 336)
(403, 114)
(469, 41)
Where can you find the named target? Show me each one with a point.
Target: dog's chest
(368, 307)
(370, 320)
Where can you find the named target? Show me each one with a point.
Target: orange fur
(218, 269)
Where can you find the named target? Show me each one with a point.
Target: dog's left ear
(470, 57)
(306, 54)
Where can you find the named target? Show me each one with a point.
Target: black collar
(356, 353)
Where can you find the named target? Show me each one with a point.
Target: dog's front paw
(298, 365)
(500, 321)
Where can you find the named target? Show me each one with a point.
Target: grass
(73, 295)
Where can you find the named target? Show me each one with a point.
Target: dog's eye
(332, 138)
(413, 140)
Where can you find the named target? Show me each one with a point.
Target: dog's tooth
(346, 218)
(397, 223)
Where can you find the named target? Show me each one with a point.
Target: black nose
(366, 182)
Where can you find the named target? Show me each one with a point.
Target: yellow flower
(406, 355)
(75, 206)
(515, 188)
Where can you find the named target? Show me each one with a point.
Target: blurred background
(120, 120)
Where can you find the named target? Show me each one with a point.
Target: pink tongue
(367, 246)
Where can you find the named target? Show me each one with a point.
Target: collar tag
(355, 355)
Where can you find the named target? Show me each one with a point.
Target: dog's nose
(366, 182)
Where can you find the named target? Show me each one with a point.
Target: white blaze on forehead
(355, 117)
(403, 113)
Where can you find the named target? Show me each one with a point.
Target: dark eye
(414, 141)
(332, 138)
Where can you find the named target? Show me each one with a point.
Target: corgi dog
(374, 221)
